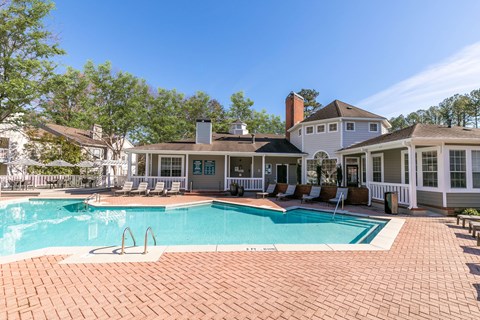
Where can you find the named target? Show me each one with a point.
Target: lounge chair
(290, 191)
(340, 192)
(314, 194)
(466, 217)
(142, 188)
(127, 188)
(270, 190)
(159, 189)
(175, 189)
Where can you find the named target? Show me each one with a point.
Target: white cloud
(459, 73)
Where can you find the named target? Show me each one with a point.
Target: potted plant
(233, 189)
(241, 191)
(339, 175)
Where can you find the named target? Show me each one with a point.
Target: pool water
(38, 224)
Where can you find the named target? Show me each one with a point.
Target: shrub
(471, 211)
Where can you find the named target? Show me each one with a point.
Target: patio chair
(175, 189)
(288, 193)
(159, 189)
(340, 192)
(127, 188)
(270, 190)
(314, 194)
(142, 188)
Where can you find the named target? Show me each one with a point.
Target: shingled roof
(82, 137)
(264, 143)
(337, 109)
(421, 131)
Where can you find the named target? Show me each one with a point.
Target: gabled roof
(421, 131)
(264, 143)
(338, 109)
(80, 136)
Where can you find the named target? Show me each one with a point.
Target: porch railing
(246, 183)
(152, 181)
(378, 189)
(62, 180)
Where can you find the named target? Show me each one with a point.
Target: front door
(352, 175)
(281, 173)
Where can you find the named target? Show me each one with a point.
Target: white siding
(360, 134)
(295, 139)
(327, 141)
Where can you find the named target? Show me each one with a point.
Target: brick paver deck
(431, 272)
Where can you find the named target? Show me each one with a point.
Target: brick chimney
(293, 111)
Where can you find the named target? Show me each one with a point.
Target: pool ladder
(135, 242)
(338, 203)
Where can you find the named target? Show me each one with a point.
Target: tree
(119, 102)
(241, 107)
(68, 102)
(398, 123)
(474, 108)
(310, 104)
(26, 49)
(262, 122)
(216, 112)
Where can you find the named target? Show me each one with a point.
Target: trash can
(391, 202)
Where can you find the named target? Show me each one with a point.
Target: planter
(233, 189)
(241, 191)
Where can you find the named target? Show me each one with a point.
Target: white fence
(378, 189)
(152, 181)
(59, 181)
(246, 183)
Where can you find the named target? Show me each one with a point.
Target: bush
(471, 211)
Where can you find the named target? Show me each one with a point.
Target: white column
(412, 188)
(129, 166)
(263, 173)
(225, 174)
(147, 164)
(304, 170)
(252, 167)
(187, 185)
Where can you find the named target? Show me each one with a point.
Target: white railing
(152, 181)
(378, 189)
(246, 183)
(59, 181)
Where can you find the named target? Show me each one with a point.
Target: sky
(388, 57)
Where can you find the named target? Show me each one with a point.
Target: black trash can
(391, 202)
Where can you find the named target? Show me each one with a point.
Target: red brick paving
(431, 272)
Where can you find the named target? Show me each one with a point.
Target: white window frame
(419, 166)
(336, 124)
(382, 166)
(306, 130)
(375, 123)
(346, 126)
(324, 128)
(403, 153)
(363, 163)
(466, 169)
(159, 166)
(469, 162)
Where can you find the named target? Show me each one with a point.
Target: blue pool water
(37, 224)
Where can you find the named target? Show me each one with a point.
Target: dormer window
(239, 126)
(350, 126)
(320, 128)
(309, 130)
(332, 127)
(373, 127)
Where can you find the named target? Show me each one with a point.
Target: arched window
(328, 167)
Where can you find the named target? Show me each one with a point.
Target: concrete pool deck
(432, 271)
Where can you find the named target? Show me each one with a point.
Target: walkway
(431, 272)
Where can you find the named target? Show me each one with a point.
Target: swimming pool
(36, 224)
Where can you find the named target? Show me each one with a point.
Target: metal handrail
(123, 239)
(146, 238)
(338, 203)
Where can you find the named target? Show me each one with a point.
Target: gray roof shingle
(337, 109)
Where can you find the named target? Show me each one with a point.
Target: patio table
(51, 183)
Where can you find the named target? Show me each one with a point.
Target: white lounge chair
(288, 193)
(341, 192)
(127, 188)
(175, 189)
(142, 188)
(270, 190)
(159, 189)
(314, 194)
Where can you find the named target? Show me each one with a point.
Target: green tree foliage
(459, 110)
(47, 147)
(69, 101)
(262, 122)
(26, 50)
(241, 107)
(311, 105)
(119, 101)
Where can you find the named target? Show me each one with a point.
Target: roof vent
(349, 108)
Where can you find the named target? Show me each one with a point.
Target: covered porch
(213, 171)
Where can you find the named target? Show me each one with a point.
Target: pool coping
(83, 254)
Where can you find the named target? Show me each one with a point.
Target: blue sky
(389, 57)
